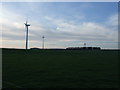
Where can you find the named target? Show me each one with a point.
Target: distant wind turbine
(27, 25)
(43, 42)
(84, 44)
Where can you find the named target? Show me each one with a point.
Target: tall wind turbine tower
(26, 25)
(43, 42)
(84, 44)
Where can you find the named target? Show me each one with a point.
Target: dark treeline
(69, 48)
(83, 48)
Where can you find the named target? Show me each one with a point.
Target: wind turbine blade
(27, 20)
(25, 27)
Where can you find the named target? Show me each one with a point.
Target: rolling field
(60, 69)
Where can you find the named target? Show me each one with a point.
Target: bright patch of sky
(63, 24)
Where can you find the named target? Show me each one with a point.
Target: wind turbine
(84, 44)
(27, 25)
(43, 42)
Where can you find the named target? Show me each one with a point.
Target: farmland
(60, 69)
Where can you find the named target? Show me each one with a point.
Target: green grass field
(60, 69)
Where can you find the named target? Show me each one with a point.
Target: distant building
(34, 48)
(83, 48)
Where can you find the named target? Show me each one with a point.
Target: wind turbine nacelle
(28, 25)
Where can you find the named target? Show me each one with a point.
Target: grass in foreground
(60, 69)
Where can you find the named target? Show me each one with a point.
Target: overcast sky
(64, 24)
